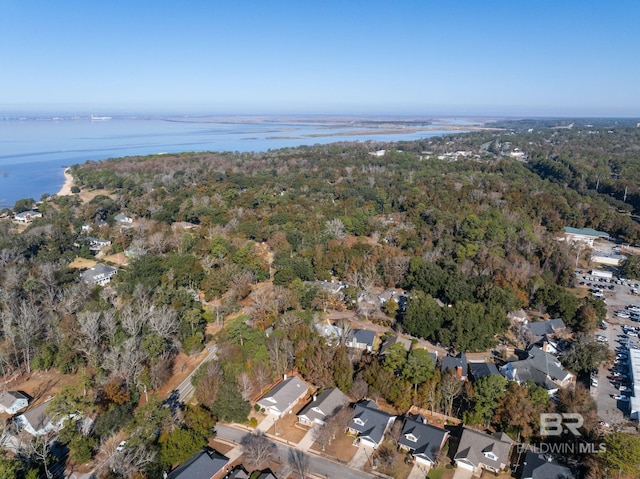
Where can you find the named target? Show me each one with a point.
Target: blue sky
(421, 57)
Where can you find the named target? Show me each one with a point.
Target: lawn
(341, 448)
(287, 428)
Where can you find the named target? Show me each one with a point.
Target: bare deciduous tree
(245, 386)
(335, 228)
(257, 449)
(299, 462)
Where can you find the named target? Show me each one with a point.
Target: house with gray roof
(37, 422)
(477, 451)
(123, 220)
(26, 217)
(540, 329)
(391, 340)
(205, 464)
(478, 370)
(539, 466)
(238, 472)
(97, 244)
(369, 423)
(456, 363)
(540, 367)
(12, 401)
(330, 332)
(362, 339)
(279, 400)
(422, 440)
(99, 274)
(323, 406)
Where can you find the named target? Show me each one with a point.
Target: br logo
(554, 424)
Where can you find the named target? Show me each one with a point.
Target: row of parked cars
(630, 312)
(619, 371)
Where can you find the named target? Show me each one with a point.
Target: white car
(121, 446)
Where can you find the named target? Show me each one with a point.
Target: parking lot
(621, 334)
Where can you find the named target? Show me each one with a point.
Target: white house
(26, 217)
(37, 422)
(281, 399)
(12, 401)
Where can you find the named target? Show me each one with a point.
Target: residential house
(323, 406)
(123, 220)
(478, 370)
(99, 274)
(12, 401)
(538, 466)
(97, 244)
(540, 329)
(540, 367)
(369, 423)
(519, 316)
(422, 440)
(238, 472)
(37, 422)
(457, 363)
(330, 332)
(183, 225)
(26, 217)
(279, 400)
(391, 340)
(266, 474)
(362, 339)
(205, 464)
(477, 451)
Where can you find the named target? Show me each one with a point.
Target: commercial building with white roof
(634, 374)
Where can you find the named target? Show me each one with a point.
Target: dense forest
(466, 224)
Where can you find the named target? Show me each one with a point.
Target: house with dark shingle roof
(205, 464)
(369, 423)
(540, 329)
(456, 363)
(477, 451)
(279, 400)
(478, 370)
(540, 367)
(422, 440)
(323, 406)
(537, 466)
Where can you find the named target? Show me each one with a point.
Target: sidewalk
(307, 441)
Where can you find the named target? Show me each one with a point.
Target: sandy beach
(68, 183)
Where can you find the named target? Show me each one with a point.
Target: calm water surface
(34, 152)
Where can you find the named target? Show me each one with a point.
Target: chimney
(459, 371)
(545, 346)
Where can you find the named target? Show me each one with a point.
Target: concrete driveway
(462, 473)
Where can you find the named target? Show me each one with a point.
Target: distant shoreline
(65, 190)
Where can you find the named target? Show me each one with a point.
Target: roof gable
(324, 404)
(202, 465)
(285, 393)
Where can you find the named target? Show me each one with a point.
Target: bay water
(34, 152)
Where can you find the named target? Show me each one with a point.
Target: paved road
(185, 390)
(317, 465)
